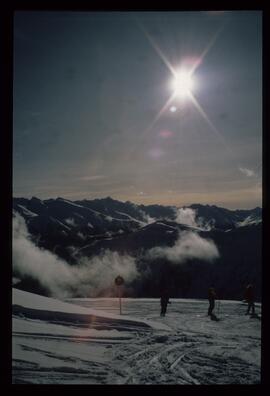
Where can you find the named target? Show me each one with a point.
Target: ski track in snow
(194, 351)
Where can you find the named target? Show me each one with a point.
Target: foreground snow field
(86, 341)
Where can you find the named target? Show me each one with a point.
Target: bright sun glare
(182, 84)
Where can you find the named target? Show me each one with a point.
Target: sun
(182, 84)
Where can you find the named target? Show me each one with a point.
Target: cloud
(188, 246)
(247, 172)
(89, 277)
(146, 217)
(186, 216)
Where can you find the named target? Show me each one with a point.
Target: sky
(96, 113)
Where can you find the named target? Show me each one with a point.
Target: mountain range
(86, 228)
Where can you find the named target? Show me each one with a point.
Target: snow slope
(28, 303)
(185, 347)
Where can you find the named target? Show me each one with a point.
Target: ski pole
(218, 306)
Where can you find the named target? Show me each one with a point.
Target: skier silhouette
(211, 298)
(249, 297)
(164, 300)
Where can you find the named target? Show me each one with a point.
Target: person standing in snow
(249, 297)
(164, 301)
(211, 298)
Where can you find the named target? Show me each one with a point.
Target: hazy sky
(88, 92)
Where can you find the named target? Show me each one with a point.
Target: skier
(164, 300)
(211, 298)
(249, 297)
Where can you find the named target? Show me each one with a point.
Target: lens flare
(165, 134)
(156, 153)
